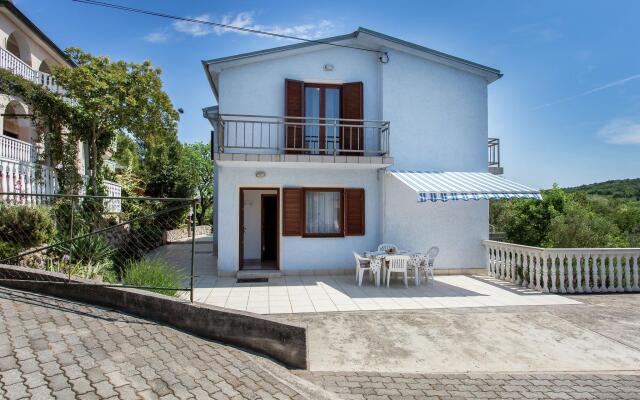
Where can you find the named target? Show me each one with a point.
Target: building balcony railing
(494, 156)
(17, 66)
(256, 134)
(14, 149)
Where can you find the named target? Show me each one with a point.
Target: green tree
(115, 96)
(198, 167)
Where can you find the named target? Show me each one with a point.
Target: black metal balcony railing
(494, 156)
(494, 152)
(258, 134)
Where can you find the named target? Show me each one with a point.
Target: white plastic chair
(431, 257)
(397, 264)
(387, 247)
(362, 265)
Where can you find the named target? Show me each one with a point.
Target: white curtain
(323, 212)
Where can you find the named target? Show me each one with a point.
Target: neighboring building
(322, 150)
(29, 53)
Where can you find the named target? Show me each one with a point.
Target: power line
(216, 24)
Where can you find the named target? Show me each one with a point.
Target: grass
(154, 273)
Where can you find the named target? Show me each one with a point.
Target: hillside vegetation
(620, 189)
(604, 214)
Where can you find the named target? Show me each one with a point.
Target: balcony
(301, 139)
(18, 67)
(494, 156)
(17, 150)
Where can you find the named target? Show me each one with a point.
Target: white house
(328, 147)
(30, 54)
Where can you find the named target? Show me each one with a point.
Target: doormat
(252, 280)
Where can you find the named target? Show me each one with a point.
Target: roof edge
(16, 11)
(429, 51)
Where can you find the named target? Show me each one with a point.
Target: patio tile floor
(337, 293)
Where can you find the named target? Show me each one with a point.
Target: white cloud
(621, 131)
(619, 82)
(157, 37)
(245, 20)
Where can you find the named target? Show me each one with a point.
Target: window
(323, 212)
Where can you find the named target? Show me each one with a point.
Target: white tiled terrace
(336, 293)
(332, 293)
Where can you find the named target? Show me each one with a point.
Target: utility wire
(216, 24)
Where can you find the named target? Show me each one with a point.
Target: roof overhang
(362, 37)
(40, 36)
(446, 186)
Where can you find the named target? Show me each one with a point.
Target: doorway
(259, 229)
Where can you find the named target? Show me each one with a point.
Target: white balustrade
(565, 270)
(17, 150)
(17, 66)
(18, 178)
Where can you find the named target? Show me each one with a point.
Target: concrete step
(252, 274)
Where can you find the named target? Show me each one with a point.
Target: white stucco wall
(456, 227)
(298, 253)
(258, 88)
(438, 115)
(253, 223)
(31, 51)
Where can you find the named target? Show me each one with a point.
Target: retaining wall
(284, 342)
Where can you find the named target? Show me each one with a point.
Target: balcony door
(317, 108)
(321, 111)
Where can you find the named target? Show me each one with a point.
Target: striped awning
(445, 186)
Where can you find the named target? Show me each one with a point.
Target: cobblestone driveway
(376, 386)
(52, 348)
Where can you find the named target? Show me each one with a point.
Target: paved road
(370, 386)
(600, 334)
(52, 348)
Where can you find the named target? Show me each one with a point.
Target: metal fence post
(193, 243)
(73, 202)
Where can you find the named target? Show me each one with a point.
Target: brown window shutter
(294, 107)
(292, 212)
(352, 107)
(354, 212)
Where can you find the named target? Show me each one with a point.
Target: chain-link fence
(99, 240)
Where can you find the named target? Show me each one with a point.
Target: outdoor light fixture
(328, 67)
(260, 174)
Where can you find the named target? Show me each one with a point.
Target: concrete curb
(282, 341)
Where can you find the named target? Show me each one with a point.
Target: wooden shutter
(354, 212)
(292, 212)
(352, 107)
(294, 107)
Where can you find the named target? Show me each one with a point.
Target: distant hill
(620, 188)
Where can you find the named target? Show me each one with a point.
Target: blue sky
(567, 109)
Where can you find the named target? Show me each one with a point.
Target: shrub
(154, 273)
(92, 249)
(8, 250)
(26, 226)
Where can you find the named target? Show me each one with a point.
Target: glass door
(321, 109)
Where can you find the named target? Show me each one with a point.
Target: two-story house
(27, 52)
(328, 147)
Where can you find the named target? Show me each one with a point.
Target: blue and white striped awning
(445, 186)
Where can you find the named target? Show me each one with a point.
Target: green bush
(8, 250)
(26, 226)
(154, 273)
(93, 249)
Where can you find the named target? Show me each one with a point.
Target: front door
(269, 227)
